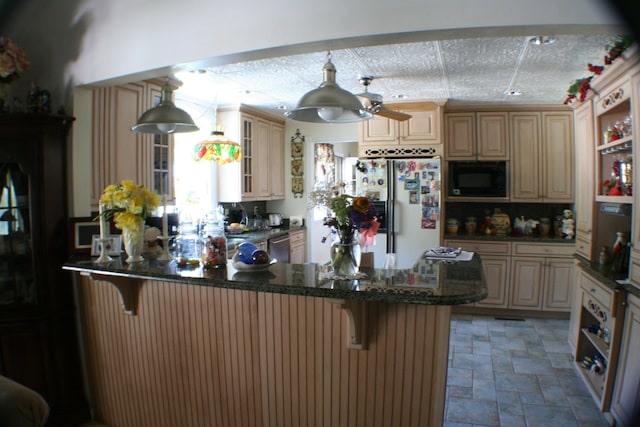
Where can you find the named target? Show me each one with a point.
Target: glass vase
(345, 257)
(133, 241)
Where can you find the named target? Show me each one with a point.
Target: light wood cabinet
(297, 249)
(625, 404)
(477, 136)
(542, 157)
(260, 175)
(118, 153)
(422, 130)
(496, 266)
(585, 192)
(527, 283)
(634, 263)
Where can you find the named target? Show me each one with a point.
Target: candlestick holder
(104, 257)
(166, 255)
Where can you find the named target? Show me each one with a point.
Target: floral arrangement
(351, 214)
(13, 61)
(579, 87)
(128, 204)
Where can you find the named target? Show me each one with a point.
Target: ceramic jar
(545, 226)
(452, 226)
(470, 225)
(501, 222)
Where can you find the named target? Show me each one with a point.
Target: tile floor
(513, 373)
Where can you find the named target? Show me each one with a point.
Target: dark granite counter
(605, 275)
(431, 282)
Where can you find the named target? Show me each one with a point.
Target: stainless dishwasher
(279, 248)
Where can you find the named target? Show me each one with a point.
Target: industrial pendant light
(329, 103)
(165, 118)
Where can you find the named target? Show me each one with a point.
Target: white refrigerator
(411, 189)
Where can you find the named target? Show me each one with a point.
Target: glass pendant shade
(218, 149)
(165, 118)
(329, 103)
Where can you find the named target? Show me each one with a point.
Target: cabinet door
(117, 152)
(493, 142)
(379, 131)
(526, 283)
(558, 284)
(525, 162)
(421, 128)
(576, 309)
(276, 167)
(585, 195)
(496, 272)
(158, 155)
(634, 265)
(557, 157)
(261, 152)
(625, 405)
(249, 158)
(460, 136)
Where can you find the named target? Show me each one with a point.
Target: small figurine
(568, 224)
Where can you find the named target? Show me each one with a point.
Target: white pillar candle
(103, 222)
(165, 218)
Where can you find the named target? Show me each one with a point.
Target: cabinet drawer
(593, 289)
(296, 237)
(494, 248)
(583, 247)
(527, 249)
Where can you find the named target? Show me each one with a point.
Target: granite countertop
(605, 275)
(509, 238)
(431, 282)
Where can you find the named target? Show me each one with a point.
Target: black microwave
(477, 179)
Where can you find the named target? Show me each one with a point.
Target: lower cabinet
(625, 405)
(524, 276)
(297, 250)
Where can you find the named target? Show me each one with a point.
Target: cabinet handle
(593, 290)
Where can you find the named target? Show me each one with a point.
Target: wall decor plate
(297, 167)
(297, 149)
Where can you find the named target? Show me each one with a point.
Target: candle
(103, 222)
(165, 218)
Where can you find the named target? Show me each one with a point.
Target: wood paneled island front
(284, 347)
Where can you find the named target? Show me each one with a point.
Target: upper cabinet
(585, 190)
(541, 156)
(476, 136)
(118, 153)
(260, 174)
(420, 135)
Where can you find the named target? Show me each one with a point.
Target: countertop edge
(606, 276)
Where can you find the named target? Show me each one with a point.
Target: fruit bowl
(241, 266)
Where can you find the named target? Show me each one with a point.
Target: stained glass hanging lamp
(217, 148)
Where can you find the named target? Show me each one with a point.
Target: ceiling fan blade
(394, 115)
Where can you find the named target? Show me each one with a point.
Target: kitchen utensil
(275, 219)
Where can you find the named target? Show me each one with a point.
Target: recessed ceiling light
(513, 92)
(281, 107)
(540, 40)
(400, 96)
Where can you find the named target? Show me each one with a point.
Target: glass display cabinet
(38, 339)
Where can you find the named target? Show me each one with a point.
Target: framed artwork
(113, 245)
(81, 232)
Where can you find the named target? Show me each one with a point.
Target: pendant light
(217, 148)
(329, 103)
(165, 118)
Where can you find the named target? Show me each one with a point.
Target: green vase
(345, 258)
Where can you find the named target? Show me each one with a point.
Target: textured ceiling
(463, 71)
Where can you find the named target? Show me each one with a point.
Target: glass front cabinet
(38, 345)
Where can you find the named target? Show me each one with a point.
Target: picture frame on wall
(81, 232)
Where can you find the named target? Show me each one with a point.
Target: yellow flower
(128, 204)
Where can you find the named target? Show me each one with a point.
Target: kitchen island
(288, 346)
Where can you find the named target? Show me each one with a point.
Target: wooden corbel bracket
(356, 322)
(128, 287)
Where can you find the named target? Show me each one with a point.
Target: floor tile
(514, 373)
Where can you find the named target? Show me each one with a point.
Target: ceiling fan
(373, 102)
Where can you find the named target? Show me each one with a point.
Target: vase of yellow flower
(354, 225)
(129, 205)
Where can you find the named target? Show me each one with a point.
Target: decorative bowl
(241, 266)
